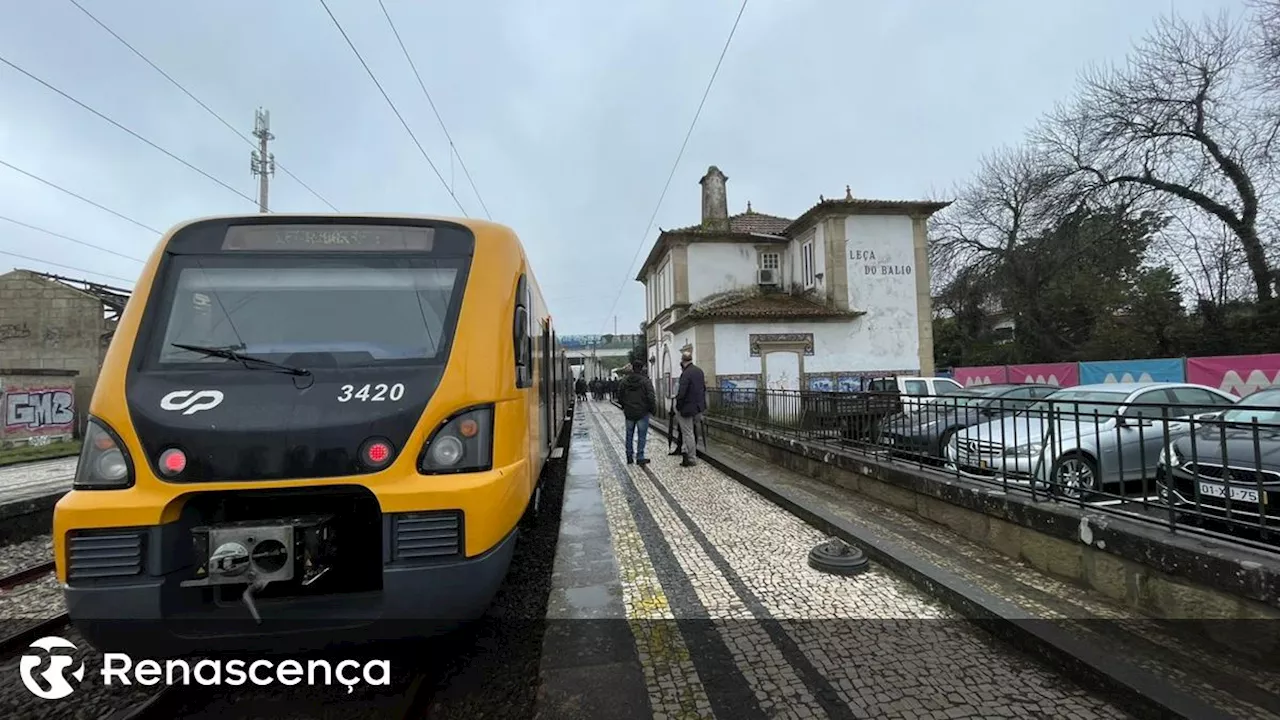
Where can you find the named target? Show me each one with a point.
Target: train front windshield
(327, 309)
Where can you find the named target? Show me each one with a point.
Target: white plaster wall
(837, 347)
(733, 357)
(880, 258)
(718, 267)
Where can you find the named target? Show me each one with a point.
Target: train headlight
(462, 443)
(446, 451)
(104, 461)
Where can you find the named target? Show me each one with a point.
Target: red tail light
(172, 462)
(377, 453)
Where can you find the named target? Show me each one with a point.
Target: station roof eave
(863, 206)
(748, 226)
(763, 308)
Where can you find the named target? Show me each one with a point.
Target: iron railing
(1210, 468)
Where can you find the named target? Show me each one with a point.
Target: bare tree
(1013, 195)
(1205, 255)
(1178, 120)
(1266, 47)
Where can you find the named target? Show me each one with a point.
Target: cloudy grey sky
(567, 113)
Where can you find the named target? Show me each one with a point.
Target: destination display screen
(328, 238)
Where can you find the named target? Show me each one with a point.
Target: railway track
(18, 641)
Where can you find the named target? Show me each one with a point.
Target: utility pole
(262, 163)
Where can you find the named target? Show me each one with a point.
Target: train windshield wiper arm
(249, 361)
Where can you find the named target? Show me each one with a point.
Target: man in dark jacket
(691, 402)
(636, 395)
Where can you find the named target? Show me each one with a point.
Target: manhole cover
(838, 558)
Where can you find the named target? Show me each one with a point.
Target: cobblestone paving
(752, 631)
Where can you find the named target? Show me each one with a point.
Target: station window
(806, 264)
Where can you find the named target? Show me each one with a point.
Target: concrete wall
(47, 325)
(39, 406)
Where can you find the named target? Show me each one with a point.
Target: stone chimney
(715, 204)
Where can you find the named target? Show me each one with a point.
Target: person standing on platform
(635, 394)
(691, 402)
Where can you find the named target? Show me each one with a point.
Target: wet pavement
(1182, 669)
(678, 593)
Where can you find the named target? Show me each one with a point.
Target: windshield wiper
(249, 361)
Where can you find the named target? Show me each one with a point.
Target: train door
(556, 389)
(547, 385)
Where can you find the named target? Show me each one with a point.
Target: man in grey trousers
(691, 402)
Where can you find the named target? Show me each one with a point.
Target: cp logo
(191, 401)
(55, 677)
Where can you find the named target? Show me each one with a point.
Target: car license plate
(1237, 493)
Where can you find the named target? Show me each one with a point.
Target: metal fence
(1209, 468)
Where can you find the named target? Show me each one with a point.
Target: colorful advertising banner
(1126, 371)
(1060, 374)
(1240, 375)
(989, 375)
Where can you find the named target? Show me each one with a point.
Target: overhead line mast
(262, 163)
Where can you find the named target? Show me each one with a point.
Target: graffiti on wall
(37, 409)
(14, 331)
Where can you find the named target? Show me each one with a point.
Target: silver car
(1085, 437)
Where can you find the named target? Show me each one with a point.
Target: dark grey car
(929, 429)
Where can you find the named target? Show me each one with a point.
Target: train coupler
(257, 553)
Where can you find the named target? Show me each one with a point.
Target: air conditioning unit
(767, 276)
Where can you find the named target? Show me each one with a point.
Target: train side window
(522, 340)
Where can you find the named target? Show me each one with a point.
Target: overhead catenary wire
(127, 130)
(78, 196)
(452, 147)
(28, 258)
(387, 97)
(69, 238)
(252, 143)
(676, 164)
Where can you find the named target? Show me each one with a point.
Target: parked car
(1080, 439)
(916, 391)
(1228, 458)
(930, 428)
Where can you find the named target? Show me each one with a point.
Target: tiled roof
(781, 305)
(851, 204)
(747, 222)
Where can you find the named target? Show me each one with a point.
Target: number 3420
(372, 393)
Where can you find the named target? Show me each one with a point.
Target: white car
(916, 391)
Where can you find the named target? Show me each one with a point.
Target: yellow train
(311, 428)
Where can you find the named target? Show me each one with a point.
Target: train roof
(472, 223)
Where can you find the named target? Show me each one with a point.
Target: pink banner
(980, 375)
(1060, 374)
(1239, 375)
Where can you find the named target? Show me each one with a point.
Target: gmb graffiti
(37, 409)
